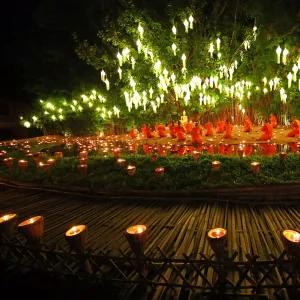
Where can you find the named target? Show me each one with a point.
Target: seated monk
(267, 128)
(228, 149)
(295, 131)
(273, 120)
(161, 130)
(268, 149)
(180, 132)
(144, 130)
(188, 127)
(172, 129)
(209, 129)
(196, 134)
(228, 130)
(181, 150)
(132, 132)
(220, 126)
(149, 133)
(156, 127)
(247, 125)
(221, 149)
(293, 146)
(248, 149)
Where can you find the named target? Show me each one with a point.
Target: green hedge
(181, 173)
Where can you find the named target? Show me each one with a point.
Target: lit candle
(217, 233)
(159, 171)
(131, 170)
(136, 229)
(7, 218)
(83, 154)
(255, 167)
(295, 70)
(292, 235)
(30, 221)
(82, 169)
(51, 162)
(216, 165)
(75, 230)
(121, 162)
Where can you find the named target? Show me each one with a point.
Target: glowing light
(218, 44)
(27, 124)
(141, 31)
(211, 49)
(191, 20)
(107, 84)
(186, 25)
(120, 73)
(284, 55)
(174, 30)
(132, 63)
(289, 77)
(174, 47)
(183, 57)
(120, 58)
(139, 45)
(295, 70)
(278, 52)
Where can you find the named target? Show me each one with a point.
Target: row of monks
(224, 127)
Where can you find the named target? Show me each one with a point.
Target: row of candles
(137, 235)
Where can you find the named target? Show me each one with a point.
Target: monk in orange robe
(268, 149)
(144, 130)
(273, 120)
(295, 131)
(146, 149)
(210, 149)
(248, 149)
(267, 128)
(172, 129)
(161, 130)
(181, 151)
(209, 129)
(220, 126)
(228, 130)
(196, 134)
(149, 132)
(221, 149)
(132, 132)
(180, 132)
(156, 127)
(247, 125)
(293, 146)
(228, 149)
(188, 127)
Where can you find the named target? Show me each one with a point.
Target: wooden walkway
(176, 228)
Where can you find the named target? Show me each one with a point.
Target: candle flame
(5, 218)
(139, 230)
(31, 220)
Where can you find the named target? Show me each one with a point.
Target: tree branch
(234, 26)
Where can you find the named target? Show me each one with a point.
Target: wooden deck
(176, 228)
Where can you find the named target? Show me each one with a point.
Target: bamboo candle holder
(8, 223)
(217, 239)
(33, 229)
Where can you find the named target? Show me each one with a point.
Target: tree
(212, 59)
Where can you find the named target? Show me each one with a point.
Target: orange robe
(273, 120)
(293, 146)
(161, 130)
(210, 149)
(149, 133)
(209, 129)
(172, 131)
(247, 125)
(228, 131)
(295, 131)
(220, 127)
(188, 127)
(146, 149)
(132, 133)
(268, 150)
(181, 150)
(248, 149)
(221, 149)
(196, 135)
(144, 130)
(228, 149)
(268, 132)
(180, 133)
